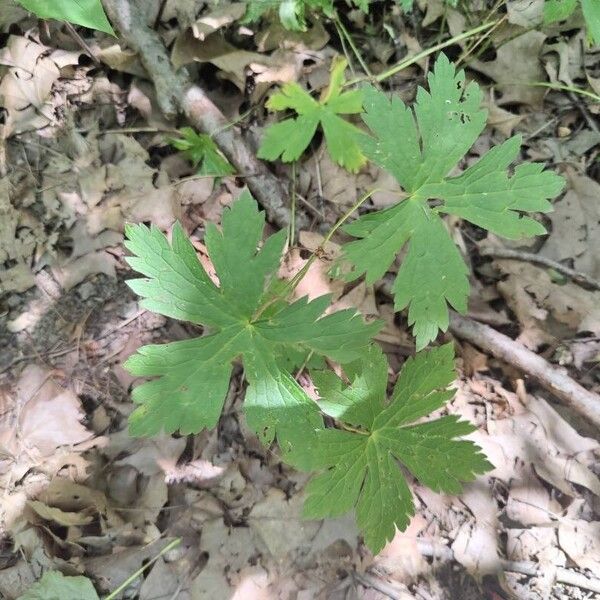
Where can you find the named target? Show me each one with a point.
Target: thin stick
(176, 93)
(79, 40)
(552, 378)
(344, 33)
(133, 577)
(576, 276)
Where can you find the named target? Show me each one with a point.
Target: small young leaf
(192, 376)
(290, 138)
(55, 586)
(358, 464)
(88, 13)
(202, 152)
(420, 147)
(292, 13)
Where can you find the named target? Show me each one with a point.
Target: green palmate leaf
(288, 139)
(192, 376)
(420, 147)
(88, 13)
(202, 152)
(558, 10)
(591, 13)
(360, 464)
(55, 586)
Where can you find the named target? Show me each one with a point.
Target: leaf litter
(82, 497)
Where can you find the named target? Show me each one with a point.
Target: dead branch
(568, 576)
(176, 93)
(552, 378)
(577, 276)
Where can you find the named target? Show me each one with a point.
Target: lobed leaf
(420, 147)
(359, 468)
(88, 13)
(289, 138)
(190, 378)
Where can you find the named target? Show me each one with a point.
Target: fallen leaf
(517, 61)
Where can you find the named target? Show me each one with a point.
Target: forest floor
(84, 149)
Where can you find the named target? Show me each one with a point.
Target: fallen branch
(577, 276)
(562, 575)
(176, 93)
(552, 378)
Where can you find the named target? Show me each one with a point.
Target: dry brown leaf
(41, 432)
(476, 543)
(26, 87)
(499, 118)
(51, 513)
(124, 60)
(401, 558)
(517, 61)
(216, 18)
(216, 50)
(316, 282)
(547, 310)
(581, 542)
(525, 13)
(73, 272)
(278, 523)
(275, 35)
(575, 234)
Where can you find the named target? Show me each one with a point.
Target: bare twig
(175, 92)
(568, 576)
(81, 42)
(554, 379)
(382, 586)
(576, 276)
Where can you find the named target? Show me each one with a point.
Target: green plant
(202, 152)
(55, 586)
(356, 451)
(559, 10)
(88, 13)
(248, 316)
(420, 147)
(292, 13)
(290, 138)
(359, 461)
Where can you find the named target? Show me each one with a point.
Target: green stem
(133, 577)
(424, 54)
(343, 33)
(293, 207)
(298, 277)
(556, 86)
(292, 283)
